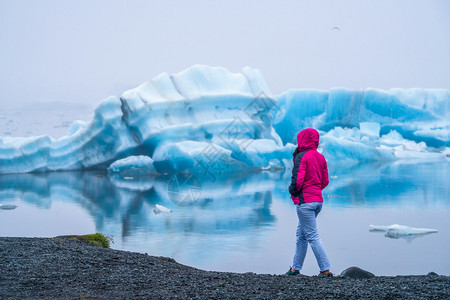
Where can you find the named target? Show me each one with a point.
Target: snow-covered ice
(209, 120)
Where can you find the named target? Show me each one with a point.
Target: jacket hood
(307, 139)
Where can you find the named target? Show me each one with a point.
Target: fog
(84, 51)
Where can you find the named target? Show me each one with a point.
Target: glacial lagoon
(244, 224)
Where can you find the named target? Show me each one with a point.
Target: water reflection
(8, 206)
(392, 184)
(221, 206)
(233, 224)
(225, 206)
(408, 237)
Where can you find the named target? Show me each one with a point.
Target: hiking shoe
(321, 274)
(292, 272)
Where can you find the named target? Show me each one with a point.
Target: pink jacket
(310, 172)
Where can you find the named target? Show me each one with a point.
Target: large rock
(356, 273)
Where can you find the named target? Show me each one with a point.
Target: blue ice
(209, 120)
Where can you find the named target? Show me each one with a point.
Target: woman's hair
(295, 152)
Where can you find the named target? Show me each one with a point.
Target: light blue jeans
(307, 233)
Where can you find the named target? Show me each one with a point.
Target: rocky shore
(61, 268)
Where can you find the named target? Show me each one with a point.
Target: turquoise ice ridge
(211, 121)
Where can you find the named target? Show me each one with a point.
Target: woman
(309, 178)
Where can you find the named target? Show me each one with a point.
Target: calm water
(244, 224)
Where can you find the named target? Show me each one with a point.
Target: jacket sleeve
(298, 175)
(301, 174)
(325, 179)
(293, 186)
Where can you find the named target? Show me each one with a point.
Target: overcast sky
(83, 51)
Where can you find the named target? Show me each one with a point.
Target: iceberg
(417, 114)
(179, 121)
(354, 145)
(207, 120)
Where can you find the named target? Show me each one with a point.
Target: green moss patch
(97, 239)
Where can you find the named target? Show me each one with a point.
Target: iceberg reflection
(196, 205)
(239, 220)
(389, 185)
(227, 203)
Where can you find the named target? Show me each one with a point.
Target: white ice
(132, 167)
(159, 209)
(396, 231)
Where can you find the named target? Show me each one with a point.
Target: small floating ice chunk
(8, 206)
(159, 209)
(396, 231)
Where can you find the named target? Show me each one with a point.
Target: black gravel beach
(61, 268)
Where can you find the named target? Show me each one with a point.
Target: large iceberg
(211, 121)
(419, 115)
(199, 118)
